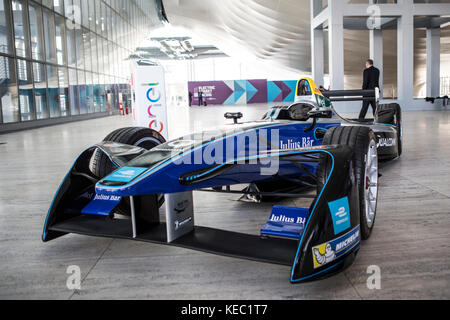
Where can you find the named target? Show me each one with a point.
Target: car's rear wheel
(365, 161)
(145, 138)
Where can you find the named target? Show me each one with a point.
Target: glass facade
(65, 58)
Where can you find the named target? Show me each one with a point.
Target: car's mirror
(234, 115)
(300, 111)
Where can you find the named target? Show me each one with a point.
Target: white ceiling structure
(278, 32)
(264, 29)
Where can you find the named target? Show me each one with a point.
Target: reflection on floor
(410, 243)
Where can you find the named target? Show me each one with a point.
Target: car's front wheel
(101, 166)
(362, 140)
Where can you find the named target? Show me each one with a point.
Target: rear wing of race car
(352, 95)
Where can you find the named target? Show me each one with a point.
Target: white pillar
(433, 62)
(336, 43)
(316, 8)
(405, 54)
(317, 45)
(376, 51)
(317, 56)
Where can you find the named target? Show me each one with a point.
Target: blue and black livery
(327, 234)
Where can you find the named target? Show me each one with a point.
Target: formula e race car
(118, 188)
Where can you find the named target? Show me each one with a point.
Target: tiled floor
(411, 241)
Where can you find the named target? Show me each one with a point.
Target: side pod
(332, 236)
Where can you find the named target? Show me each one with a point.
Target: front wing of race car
(325, 239)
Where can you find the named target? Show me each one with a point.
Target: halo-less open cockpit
(309, 104)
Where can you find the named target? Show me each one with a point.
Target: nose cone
(120, 181)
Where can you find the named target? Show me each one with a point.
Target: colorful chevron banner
(281, 91)
(241, 92)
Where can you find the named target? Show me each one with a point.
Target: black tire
(145, 138)
(392, 114)
(358, 138)
(101, 166)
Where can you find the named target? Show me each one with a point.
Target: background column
(317, 46)
(433, 62)
(376, 51)
(405, 55)
(336, 43)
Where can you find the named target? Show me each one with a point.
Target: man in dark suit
(371, 81)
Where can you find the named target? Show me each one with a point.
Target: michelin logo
(347, 242)
(333, 250)
(327, 257)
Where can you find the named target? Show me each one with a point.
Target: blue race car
(118, 188)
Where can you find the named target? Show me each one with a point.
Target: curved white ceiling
(263, 29)
(279, 31)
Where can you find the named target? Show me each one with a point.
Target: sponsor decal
(333, 250)
(181, 206)
(180, 224)
(286, 219)
(102, 205)
(104, 197)
(153, 95)
(340, 213)
(125, 174)
(151, 84)
(179, 215)
(154, 125)
(291, 144)
(386, 142)
(286, 222)
(149, 110)
(322, 101)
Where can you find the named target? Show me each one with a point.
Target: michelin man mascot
(326, 258)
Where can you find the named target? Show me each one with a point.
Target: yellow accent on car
(314, 88)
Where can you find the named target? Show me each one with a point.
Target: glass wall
(63, 58)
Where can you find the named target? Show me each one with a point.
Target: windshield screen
(172, 149)
(163, 153)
